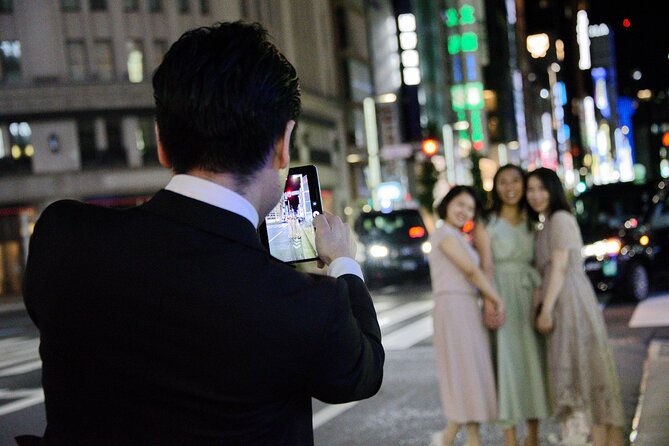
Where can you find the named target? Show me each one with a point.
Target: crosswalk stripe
(404, 312)
(409, 335)
(398, 339)
(329, 412)
(26, 398)
(20, 369)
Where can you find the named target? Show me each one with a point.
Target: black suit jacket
(169, 323)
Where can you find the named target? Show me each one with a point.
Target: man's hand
(333, 238)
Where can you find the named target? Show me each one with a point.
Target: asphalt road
(407, 410)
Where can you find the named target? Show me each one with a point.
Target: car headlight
(610, 246)
(378, 251)
(426, 247)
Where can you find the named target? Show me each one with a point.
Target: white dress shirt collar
(213, 194)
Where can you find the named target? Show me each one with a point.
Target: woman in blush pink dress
(461, 344)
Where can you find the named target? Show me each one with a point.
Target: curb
(649, 426)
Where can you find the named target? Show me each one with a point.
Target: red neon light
(430, 147)
(468, 227)
(416, 232)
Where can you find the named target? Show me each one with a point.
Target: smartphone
(288, 231)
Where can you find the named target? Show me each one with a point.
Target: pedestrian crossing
(403, 325)
(19, 355)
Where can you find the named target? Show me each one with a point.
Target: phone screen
(288, 230)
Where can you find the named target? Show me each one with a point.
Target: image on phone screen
(289, 227)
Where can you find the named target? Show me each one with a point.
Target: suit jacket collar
(205, 217)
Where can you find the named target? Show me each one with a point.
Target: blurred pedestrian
(582, 375)
(506, 246)
(461, 343)
(169, 323)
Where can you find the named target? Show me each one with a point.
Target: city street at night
(406, 411)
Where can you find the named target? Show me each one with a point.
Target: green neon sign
(454, 44)
(469, 42)
(451, 17)
(477, 126)
(467, 15)
(458, 98)
(474, 95)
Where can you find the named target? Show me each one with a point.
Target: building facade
(76, 104)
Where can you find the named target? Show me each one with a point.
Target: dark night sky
(644, 46)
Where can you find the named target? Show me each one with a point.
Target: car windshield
(394, 226)
(611, 206)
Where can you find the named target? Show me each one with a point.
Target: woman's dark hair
(495, 201)
(224, 95)
(440, 209)
(557, 199)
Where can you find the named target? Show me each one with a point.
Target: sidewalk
(650, 426)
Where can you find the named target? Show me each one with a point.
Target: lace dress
(582, 375)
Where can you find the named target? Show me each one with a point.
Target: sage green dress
(519, 351)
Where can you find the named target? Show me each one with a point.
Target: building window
(135, 61)
(10, 61)
(6, 6)
(156, 5)
(204, 7)
(103, 60)
(76, 54)
(20, 150)
(184, 6)
(130, 5)
(98, 5)
(159, 50)
(146, 140)
(70, 5)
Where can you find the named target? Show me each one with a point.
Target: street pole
(373, 163)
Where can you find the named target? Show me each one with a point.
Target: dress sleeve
(563, 231)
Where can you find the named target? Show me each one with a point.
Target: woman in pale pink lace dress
(582, 376)
(462, 348)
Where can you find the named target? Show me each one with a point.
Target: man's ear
(162, 155)
(282, 147)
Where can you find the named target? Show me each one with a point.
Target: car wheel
(637, 282)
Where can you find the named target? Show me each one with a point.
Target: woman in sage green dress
(507, 240)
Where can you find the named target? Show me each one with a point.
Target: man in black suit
(169, 323)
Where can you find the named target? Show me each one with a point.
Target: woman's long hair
(557, 199)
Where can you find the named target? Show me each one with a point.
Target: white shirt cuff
(344, 265)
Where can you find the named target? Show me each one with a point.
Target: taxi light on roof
(416, 232)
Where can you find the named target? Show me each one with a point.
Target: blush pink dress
(461, 342)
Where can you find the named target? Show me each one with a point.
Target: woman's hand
(493, 319)
(544, 322)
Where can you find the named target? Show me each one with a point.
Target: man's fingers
(321, 222)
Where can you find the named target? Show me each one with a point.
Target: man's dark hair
(224, 95)
(441, 208)
(557, 201)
